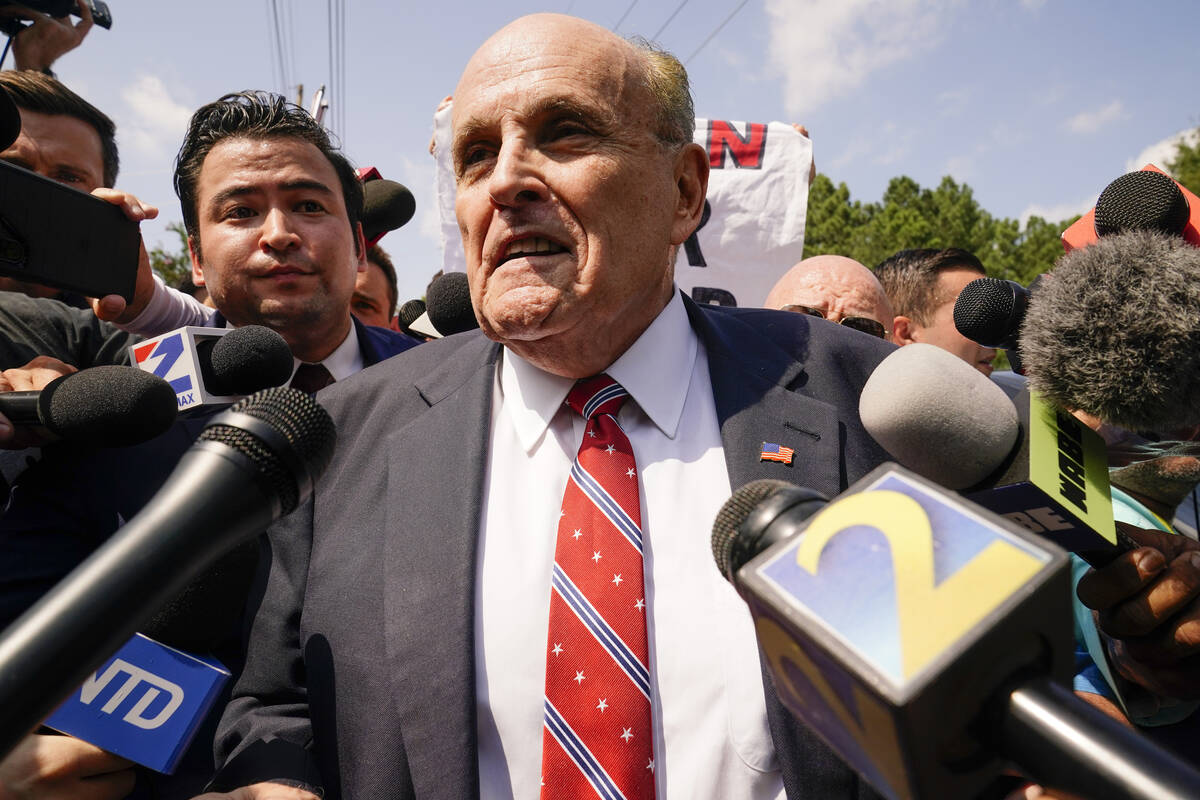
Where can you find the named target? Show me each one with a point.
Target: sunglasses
(864, 324)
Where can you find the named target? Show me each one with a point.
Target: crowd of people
(502, 585)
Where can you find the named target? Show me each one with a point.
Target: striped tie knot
(597, 395)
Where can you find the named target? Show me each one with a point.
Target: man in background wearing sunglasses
(838, 289)
(922, 286)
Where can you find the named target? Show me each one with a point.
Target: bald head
(838, 286)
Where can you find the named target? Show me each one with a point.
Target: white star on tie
(610, 449)
(627, 734)
(577, 534)
(640, 604)
(630, 473)
(562, 514)
(578, 677)
(603, 704)
(558, 648)
(650, 766)
(592, 434)
(617, 579)
(596, 556)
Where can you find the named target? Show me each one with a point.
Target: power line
(668, 22)
(716, 30)
(279, 45)
(626, 14)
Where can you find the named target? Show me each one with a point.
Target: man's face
(61, 148)
(58, 147)
(567, 203)
(941, 330)
(275, 245)
(371, 301)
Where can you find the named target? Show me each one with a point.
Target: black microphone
(245, 360)
(989, 311)
(108, 406)
(387, 205)
(1114, 330)
(449, 306)
(927, 641)
(1142, 201)
(251, 465)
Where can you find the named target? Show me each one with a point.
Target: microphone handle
(1064, 743)
(21, 408)
(210, 502)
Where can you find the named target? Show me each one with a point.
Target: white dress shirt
(711, 738)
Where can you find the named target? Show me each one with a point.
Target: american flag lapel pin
(776, 452)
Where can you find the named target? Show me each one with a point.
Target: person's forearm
(167, 310)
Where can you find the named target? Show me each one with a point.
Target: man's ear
(194, 255)
(691, 180)
(360, 247)
(904, 331)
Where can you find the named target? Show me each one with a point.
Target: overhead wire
(626, 14)
(279, 45)
(663, 27)
(716, 30)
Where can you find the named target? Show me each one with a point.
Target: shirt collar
(342, 362)
(655, 370)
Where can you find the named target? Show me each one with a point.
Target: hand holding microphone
(1148, 604)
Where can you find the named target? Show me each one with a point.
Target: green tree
(172, 265)
(908, 216)
(1185, 167)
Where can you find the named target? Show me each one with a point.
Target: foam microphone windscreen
(1141, 201)
(387, 205)
(247, 360)
(449, 304)
(938, 415)
(10, 120)
(1114, 330)
(108, 406)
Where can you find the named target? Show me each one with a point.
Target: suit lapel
(751, 378)
(435, 486)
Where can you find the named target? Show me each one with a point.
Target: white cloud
(827, 47)
(1093, 121)
(1058, 212)
(153, 122)
(1163, 151)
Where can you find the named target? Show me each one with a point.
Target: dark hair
(36, 91)
(378, 256)
(255, 115)
(910, 277)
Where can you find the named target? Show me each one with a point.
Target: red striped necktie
(596, 734)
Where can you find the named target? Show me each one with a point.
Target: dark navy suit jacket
(361, 670)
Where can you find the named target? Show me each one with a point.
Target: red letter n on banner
(747, 153)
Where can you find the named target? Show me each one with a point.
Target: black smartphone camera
(56, 8)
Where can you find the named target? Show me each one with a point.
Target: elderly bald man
(838, 289)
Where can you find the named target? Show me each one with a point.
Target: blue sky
(1037, 104)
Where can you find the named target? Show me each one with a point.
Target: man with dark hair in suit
(534, 609)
